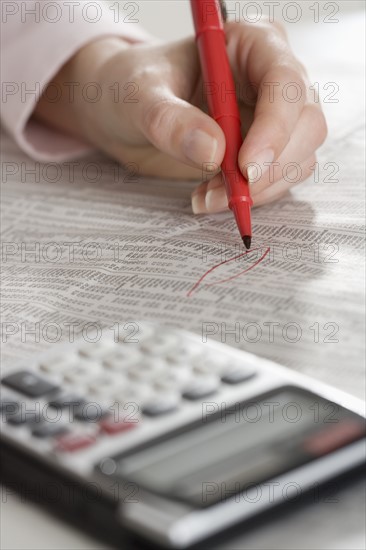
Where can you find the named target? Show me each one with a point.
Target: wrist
(85, 65)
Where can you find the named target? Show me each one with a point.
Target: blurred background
(171, 19)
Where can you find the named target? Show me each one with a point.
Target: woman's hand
(152, 111)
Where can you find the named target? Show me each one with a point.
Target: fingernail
(216, 200)
(259, 166)
(198, 203)
(200, 147)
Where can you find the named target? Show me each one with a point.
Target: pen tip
(247, 241)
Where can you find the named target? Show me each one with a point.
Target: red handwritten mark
(197, 284)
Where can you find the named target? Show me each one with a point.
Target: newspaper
(86, 244)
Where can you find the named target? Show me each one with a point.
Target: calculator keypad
(157, 377)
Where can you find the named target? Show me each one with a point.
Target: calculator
(170, 436)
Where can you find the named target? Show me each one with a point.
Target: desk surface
(332, 520)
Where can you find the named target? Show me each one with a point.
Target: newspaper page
(87, 244)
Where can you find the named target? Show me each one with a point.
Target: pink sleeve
(36, 40)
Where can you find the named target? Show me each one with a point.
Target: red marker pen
(223, 106)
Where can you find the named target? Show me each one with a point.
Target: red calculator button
(112, 426)
(74, 442)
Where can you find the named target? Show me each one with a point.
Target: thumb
(180, 129)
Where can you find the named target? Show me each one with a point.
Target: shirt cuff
(33, 54)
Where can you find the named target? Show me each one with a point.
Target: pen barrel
(220, 93)
(218, 82)
(219, 89)
(237, 187)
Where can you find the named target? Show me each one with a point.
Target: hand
(160, 121)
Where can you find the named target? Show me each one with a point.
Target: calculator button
(161, 405)
(49, 429)
(107, 383)
(161, 344)
(90, 412)
(146, 370)
(66, 400)
(29, 384)
(74, 442)
(96, 350)
(237, 375)
(58, 364)
(8, 405)
(201, 388)
(82, 373)
(112, 426)
(210, 364)
(122, 358)
(133, 394)
(172, 380)
(23, 417)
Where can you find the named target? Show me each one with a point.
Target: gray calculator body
(180, 438)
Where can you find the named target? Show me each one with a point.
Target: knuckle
(158, 118)
(262, 27)
(292, 76)
(281, 131)
(290, 84)
(279, 27)
(275, 27)
(318, 123)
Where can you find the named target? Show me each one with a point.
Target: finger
(210, 197)
(274, 121)
(264, 58)
(297, 151)
(179, 129)
(148, 161)
(279, 188)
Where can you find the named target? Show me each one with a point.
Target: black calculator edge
(96, 517)
(26, 476)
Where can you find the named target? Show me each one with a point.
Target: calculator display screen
(242, 445)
